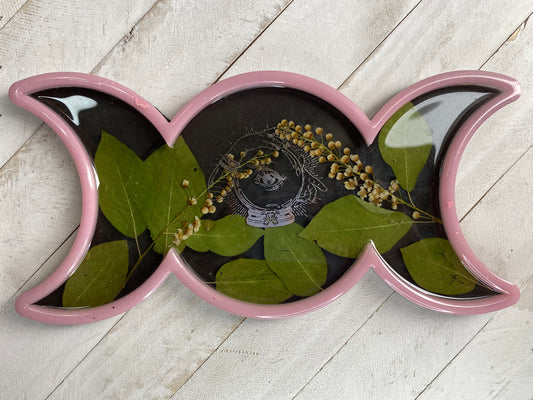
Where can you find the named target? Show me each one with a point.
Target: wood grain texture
(507, 370)
(404, 358)
(34, 221)
(275, 359)
(46, 36)
(434, 38)
(184, 46)
(489, 150)
(35, 356)
(174, 333)
(371, 343)
(301, 40)
(8, 8)
(498, 361)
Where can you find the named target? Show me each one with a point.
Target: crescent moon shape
(505, 90)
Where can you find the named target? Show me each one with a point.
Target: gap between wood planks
(377, 47)
(512, 37)
(124, 40)
(344, 344)
(454, 357)
(41, 266)
(503, 386)
(15, 13)
(515, 34)
(495, 183)
(252, 42)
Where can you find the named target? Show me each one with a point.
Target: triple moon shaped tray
(270, 194)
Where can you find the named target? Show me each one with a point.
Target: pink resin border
(369, 128)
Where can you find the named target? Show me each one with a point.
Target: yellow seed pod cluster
(345, 165)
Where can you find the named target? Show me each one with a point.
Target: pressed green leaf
(251, 281)
(229, 236)
(405, 143)
(100, 277)
(169, 167)
(345, 226)
(125, 186)
(434, 266)
(299, 263)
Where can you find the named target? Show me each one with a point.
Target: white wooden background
(370, 344)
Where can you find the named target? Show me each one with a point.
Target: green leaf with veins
(169, 167)
(252, 281)
(228, 236)
(125, 186)
(100, 277)
(299, 263)
(405, 142)
(434, 266)
(345, 226)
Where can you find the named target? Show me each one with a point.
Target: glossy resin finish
(240, 115)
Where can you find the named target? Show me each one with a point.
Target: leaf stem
(164, 231)
(347, 168)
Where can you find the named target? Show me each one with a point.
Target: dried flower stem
(347, 167)
(209, 197)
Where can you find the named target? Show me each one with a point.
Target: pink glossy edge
(19, 94)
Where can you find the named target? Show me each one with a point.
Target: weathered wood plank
(49, 36)
(400, 350)
(498, 362)
(73, 385)
(35, 220)
(322, 39)
(394, 355)
(8, 8)
(436, 38)
(274, 359)
(131, 357)
(507, 135)
(252, 380)
(36, 356)
(153, 350)
(185, 46)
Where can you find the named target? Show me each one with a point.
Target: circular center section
(265, 183)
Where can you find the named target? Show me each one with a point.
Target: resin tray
(269, 194)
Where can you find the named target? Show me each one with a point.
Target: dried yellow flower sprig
(214, 193)
(346, 166)
(237, 169)
(187, 231)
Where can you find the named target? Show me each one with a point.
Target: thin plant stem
(335, 153)
(221, 178)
